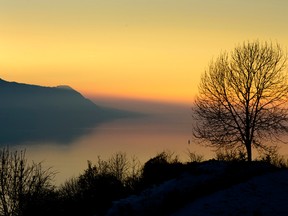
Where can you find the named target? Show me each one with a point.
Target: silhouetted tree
(119, 166)
(20, 183)
(132, 181)
(94, 190)
(243, 98)
(98, 190)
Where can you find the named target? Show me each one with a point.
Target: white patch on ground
(261, 196)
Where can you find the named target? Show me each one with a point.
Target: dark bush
(22, 183)
(91, 193)
(160, 168)
(44, 204)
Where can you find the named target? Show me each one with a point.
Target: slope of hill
(36, 113)
(262, 195)
(213, 188)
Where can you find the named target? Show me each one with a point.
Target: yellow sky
(151, 49)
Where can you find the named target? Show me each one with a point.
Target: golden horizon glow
(129, 48)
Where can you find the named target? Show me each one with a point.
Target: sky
(144, 49)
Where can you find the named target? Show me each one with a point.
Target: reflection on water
(143, 137)
(164, 127)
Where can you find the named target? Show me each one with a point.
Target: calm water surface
(164, 127)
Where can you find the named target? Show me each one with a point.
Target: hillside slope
(263, 195)
(213, 188)
(36, 113)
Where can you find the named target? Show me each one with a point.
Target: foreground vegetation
(27, 189)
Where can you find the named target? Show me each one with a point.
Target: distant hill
(37, 113)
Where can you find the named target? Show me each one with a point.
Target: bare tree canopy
(242, 98)
(20, 182)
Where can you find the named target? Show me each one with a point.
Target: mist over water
(161, 126)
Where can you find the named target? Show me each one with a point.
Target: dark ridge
(37, 113)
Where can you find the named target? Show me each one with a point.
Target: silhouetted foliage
(45, 204)
(91, 193)
(243, 98)
(98, 190)
(194, 157)
(160, 168)
(133, 182)
(22, 184)
(102, 183)
(94, 191)
(26, 190)
(274, 158)
(230, 155)
(119, 166)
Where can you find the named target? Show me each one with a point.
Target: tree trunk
(249, 151)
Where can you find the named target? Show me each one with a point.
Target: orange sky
(147, 49)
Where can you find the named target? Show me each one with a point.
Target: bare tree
(119, 165)
(242, 99)
(20, 181)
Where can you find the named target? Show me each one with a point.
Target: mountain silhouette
(37, 113)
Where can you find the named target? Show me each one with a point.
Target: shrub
(22, 184)
(231, 155)
(274, 158)
(162, 167)
(94, 191)
(194, 157)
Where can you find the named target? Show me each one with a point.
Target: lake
(163, 126)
